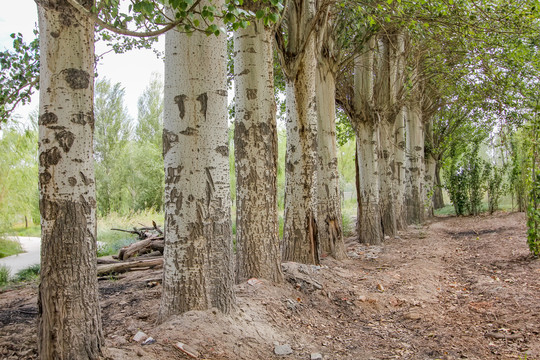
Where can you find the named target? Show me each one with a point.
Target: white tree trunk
(300, 235)
(386, 173)
(255, 138)
(69, 314)
(300, 239)
(366, 127)
(397, 76)
(369, 226)
(400, 178)
(329, 205)
(198, 258)
(415, 167)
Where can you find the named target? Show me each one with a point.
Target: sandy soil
(456, 288)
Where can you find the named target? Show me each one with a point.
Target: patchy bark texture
(198, 258)
(387, 165)
(400, 179)
(366, 127)
(369, 215)
(255, 138)
(69, 314)
(328, 196)
(415, 146)
(300, 234)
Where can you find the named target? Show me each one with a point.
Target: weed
(4, 275)
(30, 273)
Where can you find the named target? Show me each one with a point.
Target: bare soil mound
(455, 288)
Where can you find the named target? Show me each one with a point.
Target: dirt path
(456, 288)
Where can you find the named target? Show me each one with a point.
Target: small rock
(149, 341)
(254, 281)
(413, 316)
(380, 287)
(140, 353)
(188, 350)
(282, 350)
(316, 356)
(140, 336)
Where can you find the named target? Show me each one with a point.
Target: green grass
(505, 204)
(20, 230)
(4, 275)
(9, 247)
(30, 273)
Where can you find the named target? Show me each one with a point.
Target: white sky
(133, 69)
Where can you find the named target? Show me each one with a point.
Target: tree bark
(386, 173)
(415, 166)
(329, 205)
(255, 138)
(69, 315)
(429, 185)
(400, 170)
(300, 234)
(369, 215)
(438, 200)
(366, 127)
(198, 258)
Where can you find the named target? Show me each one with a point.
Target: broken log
(128, 266)
(142, 247)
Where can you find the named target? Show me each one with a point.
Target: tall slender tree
(69, 315)
(299, 62)
(198, 258)
(255, 139)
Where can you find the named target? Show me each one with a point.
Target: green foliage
(473, 171)
(9, 247)
(533, 217)
(5, 273)
(493, 176)
(533, 209)
(518, 166)
(464, 179)
(149, 126)
(19, 197)
(20, 69)
(30, 273)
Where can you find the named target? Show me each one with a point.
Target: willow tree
(255, 139)
(68, 308)
(198, 258)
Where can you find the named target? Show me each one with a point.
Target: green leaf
(259, 14)
(274, 17)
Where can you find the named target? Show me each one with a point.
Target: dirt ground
(455, 288)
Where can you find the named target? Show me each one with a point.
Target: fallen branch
(500, 336)
(129, 266)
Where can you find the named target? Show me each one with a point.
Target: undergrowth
(9, 247)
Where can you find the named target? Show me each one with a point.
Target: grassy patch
(30, 273)
(9, 247)
(4, 275)
(21, 230)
